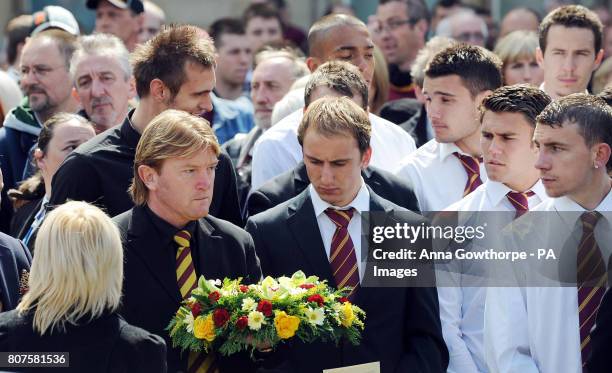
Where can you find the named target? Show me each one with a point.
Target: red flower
(316, 298)
(196, 308)
(244, 288)
(214, 296)
(343, 299)
(307, 286)
(265, 307)
(242, 322)
(220, 317)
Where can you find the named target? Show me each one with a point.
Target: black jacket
(106, 344)
(151, 295)
(402, 326)
(15, 260)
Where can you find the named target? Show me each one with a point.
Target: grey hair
(103, 45)
(445, 27)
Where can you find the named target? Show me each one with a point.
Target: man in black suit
(174, 70)
(305, 233)
(169, 238)
(291, 183)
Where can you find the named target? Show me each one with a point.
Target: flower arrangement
(229, 316)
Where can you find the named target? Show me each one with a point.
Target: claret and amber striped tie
(472, 168)
(591, 268)
(520, 202)
(186, 278)
(342, 257)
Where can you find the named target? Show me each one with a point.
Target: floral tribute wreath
(230, 317)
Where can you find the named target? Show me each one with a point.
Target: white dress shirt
(361, 204)
(437, 176)
(462, 307)
(535, 329)
(278, 149)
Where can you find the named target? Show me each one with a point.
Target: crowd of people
(140, 157)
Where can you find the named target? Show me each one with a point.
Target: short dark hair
(416, 9)
(224, 26)
(339, 76)
(479, 69)
(606, 95)
(261, 10)
(165, 55)
(591, 114)
(518, 98)
(572, 16)
(321, 27)
(17, 30)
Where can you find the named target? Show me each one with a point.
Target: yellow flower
(286, 325)
(204, 328)
(346, 314)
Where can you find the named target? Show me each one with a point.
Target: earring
(596, 165)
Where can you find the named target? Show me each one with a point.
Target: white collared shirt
(437, 176)
(535, 329)
(278, 149)
(462, 307)
(361, 204)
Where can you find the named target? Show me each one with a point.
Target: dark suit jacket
(402, 330)
(23, 219)
(14, 259)
(151, 295)
(291, 183)
(601, 338)
(106, 344)
(416, 126)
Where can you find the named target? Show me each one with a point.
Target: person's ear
(313, 63)
(148, 175)
(540, 57)
(365, 158)
(601, 155)
(39, 158)
(158, 90)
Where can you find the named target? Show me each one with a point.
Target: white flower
(297, 291)
(249, 304)
(315, 316)
(256, 319)
(189, 322)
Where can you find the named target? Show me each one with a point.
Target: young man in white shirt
(447, 168)
(570, 49)
(547, 329)
(509, 155)
(334, 37)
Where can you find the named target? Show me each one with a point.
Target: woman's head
(517, 51)
(77, 270)
(59, 136)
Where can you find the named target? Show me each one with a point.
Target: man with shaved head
(334, 37)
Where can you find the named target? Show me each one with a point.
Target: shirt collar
(567, 204)
(543, 88)
(166, 230)
(447, 149)
(360, 203)
(497, 191)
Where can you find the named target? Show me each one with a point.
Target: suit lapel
(7, 279)
(300, 178)
(304, 228)
(210, 247)
(143, 241)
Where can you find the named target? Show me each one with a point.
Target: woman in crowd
(59, 136)
(74, 292)
(517, 51)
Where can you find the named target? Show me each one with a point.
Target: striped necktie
(342, 257)
(591, 269)
(520, 202)
(187, 280)
(472, 168)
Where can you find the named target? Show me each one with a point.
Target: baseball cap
(53, 16)
(135, 5)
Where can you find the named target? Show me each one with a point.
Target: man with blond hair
(169, 238)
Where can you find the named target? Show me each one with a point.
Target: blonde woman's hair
(380, 82)
(171, 134)
(517, 45)
(78, 268)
